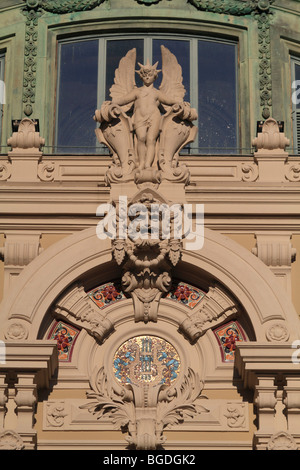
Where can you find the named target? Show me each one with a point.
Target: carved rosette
(10, 440)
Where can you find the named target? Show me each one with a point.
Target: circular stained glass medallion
(146, 360)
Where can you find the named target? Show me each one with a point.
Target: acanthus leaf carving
(144, 411)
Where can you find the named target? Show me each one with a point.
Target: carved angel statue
(134, 140)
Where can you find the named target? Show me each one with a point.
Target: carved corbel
(18, 251)
(276, 251)
(215, 308)
(26, 140)
(270, 152)
(76, 307)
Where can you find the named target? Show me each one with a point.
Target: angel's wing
(171, 84)
(124, 81)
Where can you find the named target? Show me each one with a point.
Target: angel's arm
(164, 99)
(130, 98)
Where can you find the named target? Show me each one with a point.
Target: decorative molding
(16, 330)
(10, 440)
(270, 140)
(67, 6)
(55, 414)
(282, 441)
(218, 415)
(76, 307)
(46, 171)
(292, 172)
(235, 415)
(32, 13)
(5, 170)
(277, 332)
(214, 309)
(249, 172)
(26, 141)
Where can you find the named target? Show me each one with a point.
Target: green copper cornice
(232, 7)
(63, 6)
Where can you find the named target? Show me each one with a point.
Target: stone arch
(244, 276)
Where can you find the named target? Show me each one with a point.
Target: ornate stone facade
(118, 333)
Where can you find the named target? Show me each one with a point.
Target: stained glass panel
(228, 335)
(146, 359)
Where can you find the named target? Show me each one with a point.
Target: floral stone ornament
(145, 392)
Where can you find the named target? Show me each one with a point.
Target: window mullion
(194, 83)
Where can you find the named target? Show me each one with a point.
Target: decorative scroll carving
(144, 411)
(270, 139)
(145, 148)
(46, 171)
(292, 172)
(249, 172)
(10, 440)
(26, 140)
(235, 415)
(214, 309)
(5, 171)
(56, 414)
(76, 307)
(282, 441)
(147, 262)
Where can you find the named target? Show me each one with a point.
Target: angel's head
(148, 72)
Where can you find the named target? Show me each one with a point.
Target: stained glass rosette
(65, 335)
(106, 294)
(186, 294)
(146, 360)
(228, 336)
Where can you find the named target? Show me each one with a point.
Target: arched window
(86, 73)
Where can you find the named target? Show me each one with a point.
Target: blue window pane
(181, 49)
(77, 97)
(116, 50)
(217, 97)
